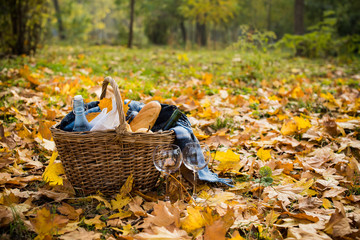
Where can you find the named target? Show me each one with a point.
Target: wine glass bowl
(196, 157)
(167, 158)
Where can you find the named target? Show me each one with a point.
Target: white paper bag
(104, 120)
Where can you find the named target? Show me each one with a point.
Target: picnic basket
(102, 160)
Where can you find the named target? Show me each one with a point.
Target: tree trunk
(183, 32)
(18, 20)
(299, 11)
(269, 15)
(201, 37)
(59, 19)
(130, 40)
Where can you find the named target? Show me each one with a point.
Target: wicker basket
(103, 160)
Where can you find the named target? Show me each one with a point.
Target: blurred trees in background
(22, 25)
(189, 23)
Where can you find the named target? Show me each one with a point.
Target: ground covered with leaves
(286, 131)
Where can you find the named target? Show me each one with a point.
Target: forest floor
(285, 130)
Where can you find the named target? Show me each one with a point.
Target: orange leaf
(46, 224)
(25, 73)
(288, 128)
(207, 78)
(50, 114)
(91, 116)
(106, 103)
(44, 129)
(302, 216)
(216, 231)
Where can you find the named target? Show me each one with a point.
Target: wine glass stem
(167, 198)
(194, 192)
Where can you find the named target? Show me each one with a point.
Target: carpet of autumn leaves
(285, 130)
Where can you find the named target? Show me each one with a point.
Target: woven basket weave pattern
(103, 160)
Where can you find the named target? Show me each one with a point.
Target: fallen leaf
(98, 224)
(46, 224)
(81, 234)
(284, 193)
(106, 103)
(69, 211)
(215, 231)
(306, 231)
(53, 170)
(100, 199)
(302, 123)
(163, 234)
(6, 216)
(263, 154)
(197, 217)
(288, 128)
(229, 161)
(164, 215)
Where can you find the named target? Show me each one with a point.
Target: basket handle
(119, 103)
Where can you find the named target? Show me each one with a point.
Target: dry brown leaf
(218, 140)
(58, 197)
(164, 215)
(47, 224)
(69, 211)
(163, 234)
(6, 216)
(81, 234)
(338, 225)
(135, 207)
(215, 231)
(307, 232)
(96, 222)
(284, 193)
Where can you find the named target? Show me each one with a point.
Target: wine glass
(167, 158)
(196, 157)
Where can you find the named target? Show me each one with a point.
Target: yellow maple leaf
(53, 170)
(264, 154)
(197, 218)
(229, 161)
(46, 224)
(289, 127)
(207, 78)
(119, 202)
(302, 123)
(121, 199)
(106, 103)
(328, 96)
(282, 116)
(297, 92)
(208, 113)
